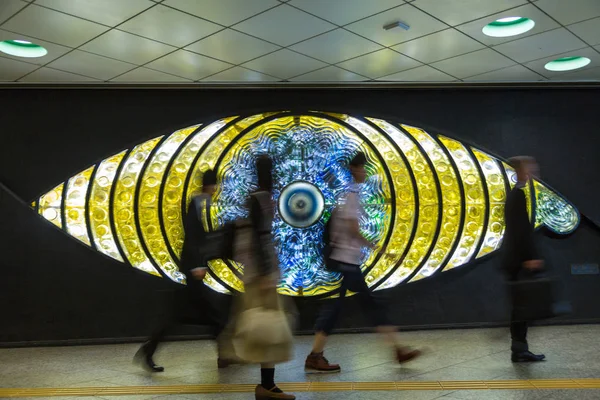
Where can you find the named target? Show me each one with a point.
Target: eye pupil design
(301, 204)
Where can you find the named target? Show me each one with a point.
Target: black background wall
(52, 288)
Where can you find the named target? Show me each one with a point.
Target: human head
(526, 167)
(357, 167)
(264, 170)
(209, 182)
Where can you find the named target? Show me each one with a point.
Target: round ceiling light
(567, 63)
(22, 48)
(509, 26)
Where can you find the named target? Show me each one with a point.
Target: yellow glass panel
(451, 202)
(99, 206)
(553, 211)
(214, 285)
(175, 183)
(497, 197)
(428, 211)
(222, 271)
(50, 205)
(475, 203)
(148, 203)
(124, 207)
(75, 207)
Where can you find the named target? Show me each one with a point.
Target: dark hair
(359, 160)
(264, 170)
(209, 178)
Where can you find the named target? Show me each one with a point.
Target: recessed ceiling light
(509, 26)
(567, 63)
(22, 48)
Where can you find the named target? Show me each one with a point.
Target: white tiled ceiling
(296, 40)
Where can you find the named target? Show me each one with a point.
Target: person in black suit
(521, 256)
(194, 265)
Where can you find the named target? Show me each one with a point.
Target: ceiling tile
(342, 12)
(570, 11)
(10, 8)
(381, 63)
(284, 25)
(239, 74)
(54, 50)
(11, 70)
(512, 74)
(592, 74)
(284, 64)
(541, 45)
(589, 31)
(473, 63)
(224, 12)
(53, 75)
(538, 65)
(336, 46)
(80, 62)
(420, 74)
(542, 23)
(148, 75)
(107, 12)
(420, 23)
(232, 46)
(127, 47)
(330, 74)
(169, 26)
(454, 12)
(53, 26)
(435, 47)
(188, 65)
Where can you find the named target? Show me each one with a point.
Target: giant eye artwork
(435, 202)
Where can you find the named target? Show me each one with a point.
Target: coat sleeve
(263, 261)
(193, 232)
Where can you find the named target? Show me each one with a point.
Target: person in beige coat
(260, 330)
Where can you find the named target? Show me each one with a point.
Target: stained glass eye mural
(436, 203)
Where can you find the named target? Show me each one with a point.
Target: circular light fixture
(567, 63)
(509, 26)
(22, 48)
(301, 204)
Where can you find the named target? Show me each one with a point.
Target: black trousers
(188, 306)
(518, 334)
(352, 279)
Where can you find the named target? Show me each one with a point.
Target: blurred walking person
(192, 305)
(260, 329)
(346, 243)
(521, 260)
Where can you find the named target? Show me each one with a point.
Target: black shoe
(146, 360)
(526, 356)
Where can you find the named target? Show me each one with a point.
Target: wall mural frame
(128, 206)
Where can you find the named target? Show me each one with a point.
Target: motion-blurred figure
(200, 245)
(520, 255)
(260, 331)
(346, 244)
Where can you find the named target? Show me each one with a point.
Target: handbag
(260, 326)
(535, 298)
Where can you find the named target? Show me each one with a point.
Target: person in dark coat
(521, 257)
(194, 265)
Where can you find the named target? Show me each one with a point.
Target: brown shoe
(260, 393)
(316, 363)
(403, 354)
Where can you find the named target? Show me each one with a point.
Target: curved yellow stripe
(75, 207)
(99, 206)
(451, 202)
(475, 202)
(427, 213)
(402, 225)
(175, 183)
(497, 197)
(50, 205)
(208, 160)
(124, 207)
(148, 203)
